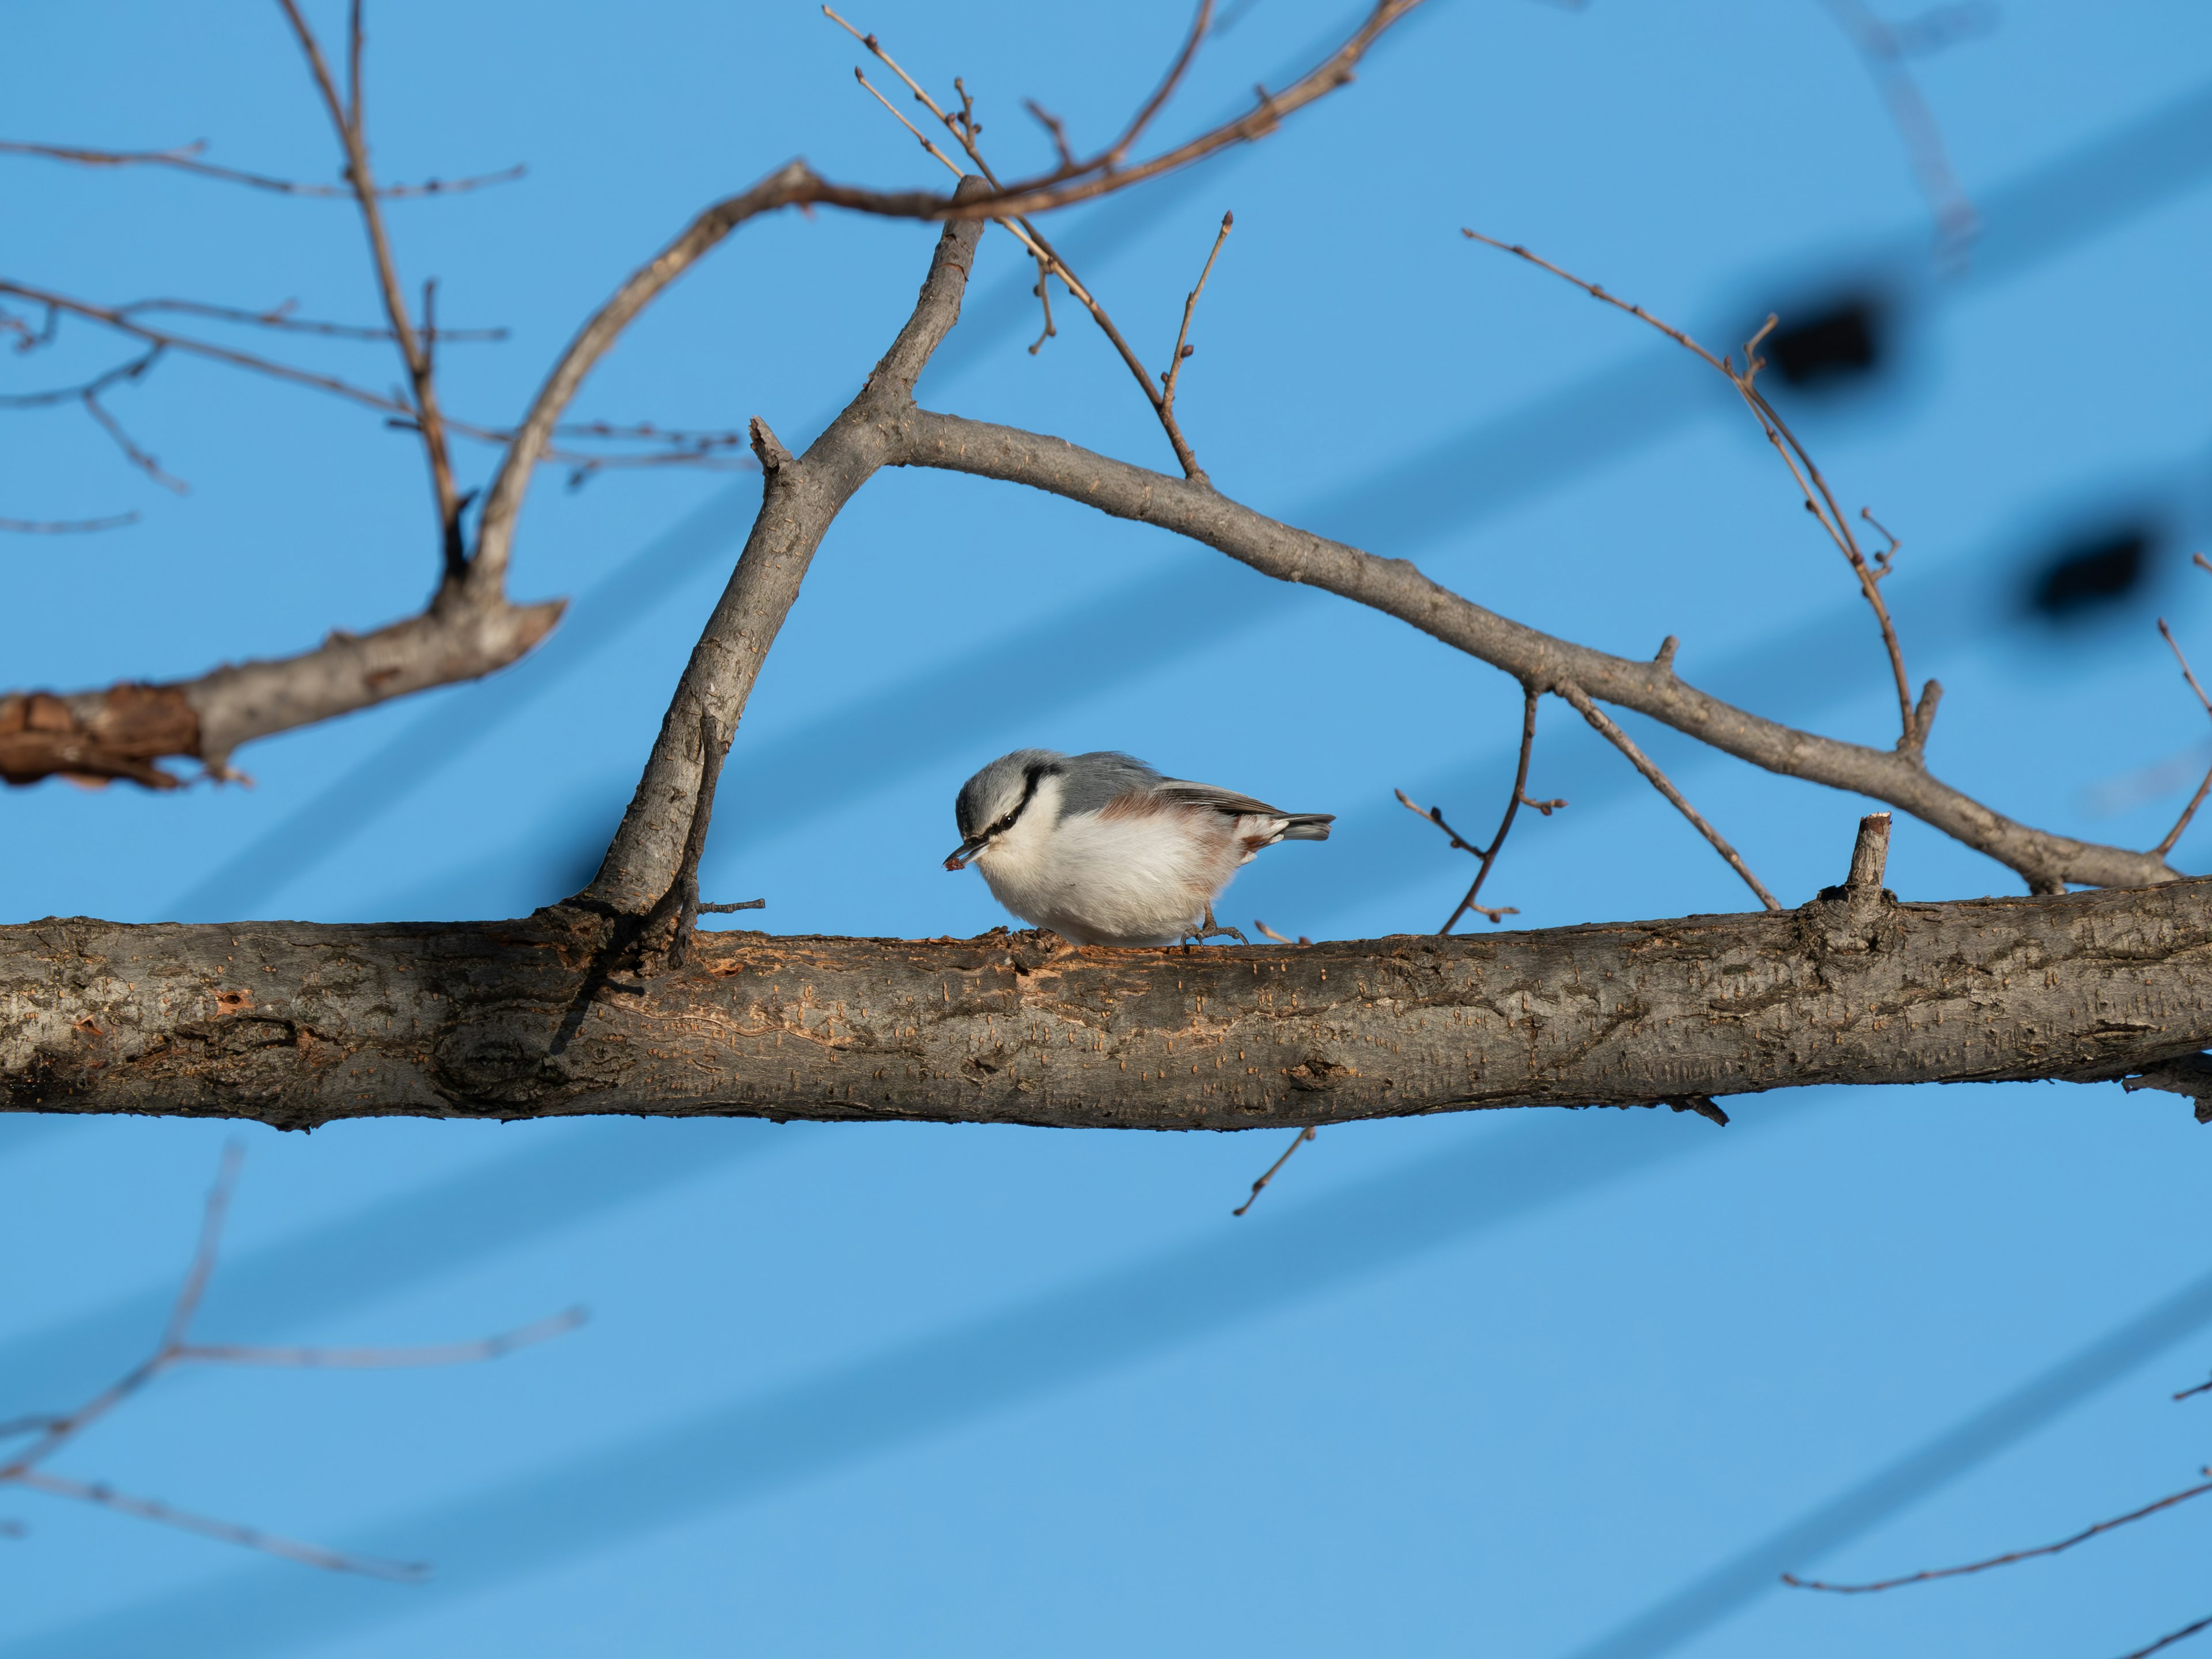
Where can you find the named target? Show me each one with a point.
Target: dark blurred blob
(1844, 341)
(2091, 572)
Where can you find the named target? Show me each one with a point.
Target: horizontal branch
(119, 732)
(1397, 587)
(296, 1023)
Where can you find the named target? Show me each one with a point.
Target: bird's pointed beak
(958, 858)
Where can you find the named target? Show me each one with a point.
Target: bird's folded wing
(1183, 793)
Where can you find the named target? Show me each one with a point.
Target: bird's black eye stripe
(1034, 774)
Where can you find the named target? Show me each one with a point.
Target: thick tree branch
(1397, 587)
(801, 496)
(294, 1025)
(119, 731)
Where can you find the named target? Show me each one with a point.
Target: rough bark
(295, 1023)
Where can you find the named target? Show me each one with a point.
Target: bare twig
(1488, 855)
(280, 318)
(1056, 128)
(65, 526)
(1199, 24)
(1302, 940)
(2170, 1638)
(89, 394)
(2196, 801)
(2006, 1559)
(964, 128)
(175, 1347)
(1183, 351)
(104, 1496)
(2201, 1387)
(1297, 1141)
(137, 457)
(1820, 500)
(742, 904)
(1658, 779)
(347, 119)
(185, 159)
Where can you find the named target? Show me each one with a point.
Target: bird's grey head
(993, 801)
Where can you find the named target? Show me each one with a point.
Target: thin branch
(1085, 180)
(399, 413)
(442, 1353)
(2170, 1638)
(65, 526)
(1297, 1141)
(184, 159)
(1183, 351)
(346, 118)
(1169, 83)
(1398, 588)
(2205, 787)
(280, 317)
(1813, 487)
(966, 129)
(2004, 1561)
(223, 1532)
(1658, 779)
(176, 1348)
(2201, 1387)
(88, 394)
(137, 457)
(1488, 856)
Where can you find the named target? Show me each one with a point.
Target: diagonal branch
(1397, 587)
(2205, 787)
(1819, 501)
(799, 497)
(1606, 728)
(2004, 1561)
(347, 121)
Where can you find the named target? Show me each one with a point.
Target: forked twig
(1812, 485)
(49, 1432)
(1300, 1140)
(347, 119)
(1488, 855)
(1659, 780)
(966, 131)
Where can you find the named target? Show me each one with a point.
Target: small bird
(1103, 850)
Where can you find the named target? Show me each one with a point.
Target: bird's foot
(1211, 929)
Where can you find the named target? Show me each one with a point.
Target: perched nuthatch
(1103, 850)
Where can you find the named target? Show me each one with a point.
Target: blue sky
(1560, 1383)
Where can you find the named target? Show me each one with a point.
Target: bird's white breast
(1127, 875)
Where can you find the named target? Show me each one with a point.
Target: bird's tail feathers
(1307, 826)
